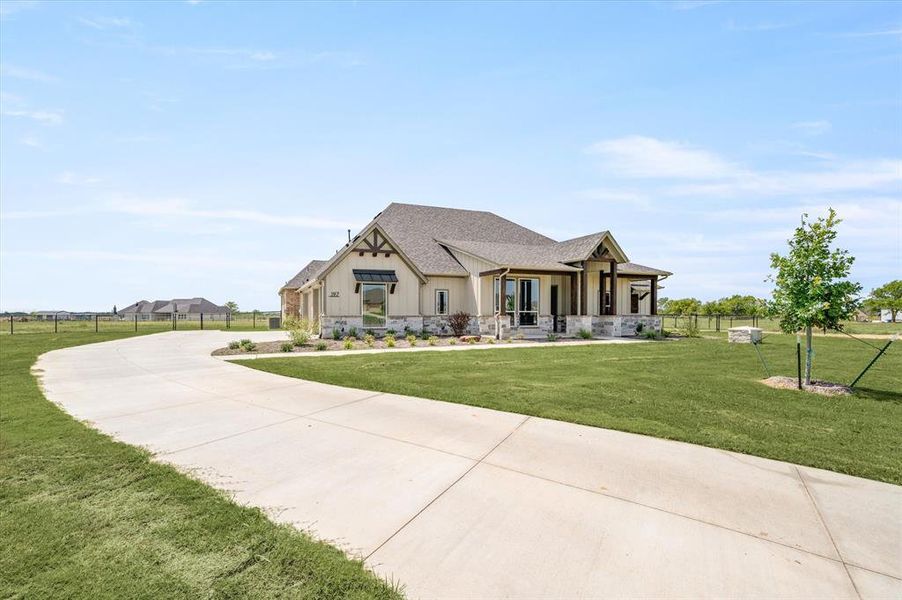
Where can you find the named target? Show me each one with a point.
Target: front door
(554, 311)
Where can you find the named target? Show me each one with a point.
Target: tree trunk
(808, 355)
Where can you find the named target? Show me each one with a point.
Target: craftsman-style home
(413, 266)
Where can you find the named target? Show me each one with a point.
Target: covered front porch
(596, 296)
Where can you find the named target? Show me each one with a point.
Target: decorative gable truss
(374, 243)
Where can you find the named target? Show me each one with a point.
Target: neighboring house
(886, 315)
(182, 308)
(50, 315)
(413, 266)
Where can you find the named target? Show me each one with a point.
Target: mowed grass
(82, 516)
(703, 391)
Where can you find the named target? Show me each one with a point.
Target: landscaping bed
(348, 343)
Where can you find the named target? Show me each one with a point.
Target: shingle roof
(182, 305)
(423, 232)
(630, 268)
(415, 229)
(305, 274)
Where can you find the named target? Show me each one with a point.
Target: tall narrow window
(634, 303)
(373, 297)
(441, 302)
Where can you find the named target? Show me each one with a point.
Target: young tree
(232, 306)
(811, 286)
(682, 306)
(888, 296)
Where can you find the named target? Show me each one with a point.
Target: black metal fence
(717, 322)
(258, 320)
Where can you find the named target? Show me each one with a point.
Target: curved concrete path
(457, 501)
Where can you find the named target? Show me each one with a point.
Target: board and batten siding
(460, 295)
(404, 302)
(479, 288)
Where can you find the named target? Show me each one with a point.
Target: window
(521, 300)
(441, 302)
(373, 298)
(634, 303)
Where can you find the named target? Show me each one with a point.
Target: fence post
(254, 326)
(55, 326)
(10, 324)
(229, 320)
(173, 321)
(717, 323)
(136, 322)
(96, 323)
(201, 321)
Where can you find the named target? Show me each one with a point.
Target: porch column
(584, 289)
(502, 291)
(654, 294)
(602, 288)
(574, 282)
(613, 287)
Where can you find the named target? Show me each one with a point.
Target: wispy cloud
(665, 165)
(813, 127)
(893, 31)
(70, 178)
(47, 117)
(102, 23)
(11, 7)
(732, 25)
(641, 157)
(8, 70)
(32, 141)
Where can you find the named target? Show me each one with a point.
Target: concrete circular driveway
(457, 501)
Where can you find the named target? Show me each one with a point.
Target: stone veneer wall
(612, 325)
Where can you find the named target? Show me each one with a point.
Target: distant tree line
(736, 304)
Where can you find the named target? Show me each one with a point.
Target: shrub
(639, 327)
(551, 337)
(287, 346)
(245, 342)
(459, 322)
(348, 343)
(352, 332)
(453, 341)
(520, 336)
(491, 340)
(336, 334)
(300, 330)
(390, 332)
(234, 345)
(471, 340)
(390, 341)
(584, 334)
(425, 335)
(432, 340)
(320, 346)
(369, 339)
(690, 329)
(411, 339)
(249, 347)
(651, 334)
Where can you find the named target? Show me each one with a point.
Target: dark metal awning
(375, 276)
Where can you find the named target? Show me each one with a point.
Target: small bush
(287, 346)
(520, 336)
(369, 339)
(509, 341)
(336, 334)
(471, 340)
(651, 334)
(245, 342)
(320, 346)
(690, 329)
(584, 334)
(551, 337)
(250, 347)
(234, 345)
(425, 335)
(300, 330)
(491, 340)
(348, 343)
(352, 332)
(411, 339)
(639, 327)
(391, 332)
(453, 341)
(459, 322)
(432, 340)
(390, 341)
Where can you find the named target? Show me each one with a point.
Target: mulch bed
(825, 388)
(311, 346)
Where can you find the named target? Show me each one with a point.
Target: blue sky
(208, 148)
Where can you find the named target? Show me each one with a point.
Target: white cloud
(32, 142)
(70, 178)
(640, 157)
(8, 70)
(48, 117)
(10, 7)
(102, 23)
(181, 209)
(813, 127)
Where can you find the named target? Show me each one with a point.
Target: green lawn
(82, 516)
(703, 391)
